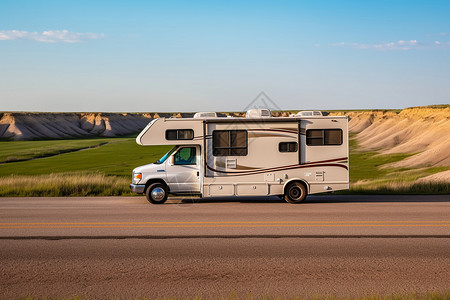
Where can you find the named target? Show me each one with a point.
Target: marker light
(137, 177)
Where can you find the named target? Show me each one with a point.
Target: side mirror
(172, 160)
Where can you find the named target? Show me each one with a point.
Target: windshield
(163, 159)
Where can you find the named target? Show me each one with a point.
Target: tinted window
(288, 147)
(185, 156)
(319, 137)
(171, 134)
(229, 142)
(179, 134)
(332, 137)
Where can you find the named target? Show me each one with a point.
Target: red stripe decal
(324, 163)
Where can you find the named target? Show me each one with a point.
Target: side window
(288, 147)
(230, 143)
(185, 156)
(179, 134)
(321, 137)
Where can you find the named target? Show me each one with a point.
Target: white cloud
(398, 45)
(50, 36)
(410, 43)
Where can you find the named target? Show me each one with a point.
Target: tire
(295, 193)
(156, 193)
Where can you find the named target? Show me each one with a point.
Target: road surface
(123, 247)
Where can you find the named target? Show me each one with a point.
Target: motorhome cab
(258, 155)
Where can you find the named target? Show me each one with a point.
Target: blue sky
(140, 56)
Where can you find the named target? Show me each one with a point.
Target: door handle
(198, 173)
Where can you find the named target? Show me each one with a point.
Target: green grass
(25, 150)
(119, 157)
(436, 106)
(366, 165)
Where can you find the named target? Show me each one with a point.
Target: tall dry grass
(400, 187)
(64, 184)
(98, 184)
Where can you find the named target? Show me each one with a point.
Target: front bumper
(137, 188)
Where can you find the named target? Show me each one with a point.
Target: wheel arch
(155, 180)
(302, 181)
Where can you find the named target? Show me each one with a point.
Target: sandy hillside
(438, 177)
(425, 131)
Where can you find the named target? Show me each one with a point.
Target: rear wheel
(156, 193)
(295, 192)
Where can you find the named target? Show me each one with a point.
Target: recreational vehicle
(260, 155)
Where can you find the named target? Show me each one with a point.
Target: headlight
(137, 177)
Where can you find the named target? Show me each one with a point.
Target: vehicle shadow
(376, 198)
(316, 199)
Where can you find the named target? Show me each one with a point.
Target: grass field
(103, 166)
(115, 157)
(369, 174)
(25, 150)
(366, 165)
(59, 168)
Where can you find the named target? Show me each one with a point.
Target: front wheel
(156, 193)
(295, 192)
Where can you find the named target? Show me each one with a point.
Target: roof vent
(200, 115)
(258, 113)
(308, 113)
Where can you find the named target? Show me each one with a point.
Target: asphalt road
(123, 247)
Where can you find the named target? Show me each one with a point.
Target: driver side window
(185, 156)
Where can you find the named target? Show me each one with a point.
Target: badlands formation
(31, 126)
(424, 131)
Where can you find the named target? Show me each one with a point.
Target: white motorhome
(252, 156)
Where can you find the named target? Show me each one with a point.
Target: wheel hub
(158, 194)
(295, 192)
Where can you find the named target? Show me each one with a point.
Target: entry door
(183, 173)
